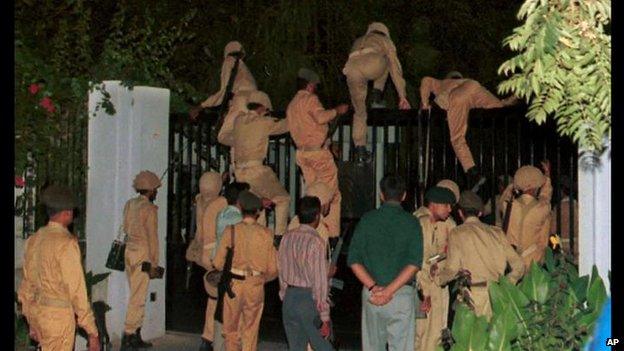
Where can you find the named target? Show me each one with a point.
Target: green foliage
(551, 309)
(563, 67)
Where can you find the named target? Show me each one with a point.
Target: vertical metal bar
(445, 140)
(518, 142)
(341, 140)
(481, 134)
(172, 130)
(506, 147)
(374, 149)
(287, 160)
(386, 152)
(179, 178)
(494, 182)
(397, 146)
(198, 153)
(531, 143)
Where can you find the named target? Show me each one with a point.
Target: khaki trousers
(359, 70)
(243, 312)
(319, 166)
(429, 330)
(264, 183)
(462, 99)
(138, 282)
(56, 327)
(481, 298)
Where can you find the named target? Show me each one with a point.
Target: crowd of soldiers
(240, 253)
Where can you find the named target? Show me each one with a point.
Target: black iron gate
(413, 144)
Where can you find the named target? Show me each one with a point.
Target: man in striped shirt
(302, 267)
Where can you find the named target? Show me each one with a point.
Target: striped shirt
(302, 262)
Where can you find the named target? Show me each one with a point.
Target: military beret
(58, 197)
(308, 75)
(450, 185)
(468, 200)
(249, 201)
(440, 195)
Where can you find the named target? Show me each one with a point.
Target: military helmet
(260, 97)
(528, 177)
(146, 180)
(210, 183)
(233, 46)
(454, 75)
(450, 185)
(468, 200)
(378, 26)
(58, 197)
(309, 75)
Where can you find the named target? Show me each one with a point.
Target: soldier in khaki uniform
(373, 56)
(244, 80)
(564, 230)
(141, 226)
(324, 194)
(254, 263)
(53, 292)
(530, 216)
(208, 204)
(458, 96)
(436, 225)
(480, 250)
(250, 139)
(308, 125)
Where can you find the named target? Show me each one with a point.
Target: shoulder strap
(507, 215)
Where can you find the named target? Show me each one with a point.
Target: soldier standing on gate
(53, 291)
(373, 56)
(458, 96)
(436, 225)
(308, 125)
(250, 139)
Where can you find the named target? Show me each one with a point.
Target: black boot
(361, 155)
(138, 342)
(205, 345)
(376, 99)
(475, 179)
(126, 340)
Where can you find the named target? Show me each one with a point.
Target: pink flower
(34, 88)
(47, 104)
(20, 182)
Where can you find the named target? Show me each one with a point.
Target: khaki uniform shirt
(440, 88)
(207, 228)
(253, 249)
(141, 226)
(481, 249)
(244, 81)
(383, 45)
(529, 222)
(308, 119)
(53, 276)
(435, 241)
(250, 135)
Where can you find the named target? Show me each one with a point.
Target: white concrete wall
(120, 146)
(594, 184)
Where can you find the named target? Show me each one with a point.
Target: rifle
(224, 286)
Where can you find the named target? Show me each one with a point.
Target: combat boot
(205, 345)
(376, 99)
(475, 179)
(126, 342)
(361, 155)
(137, 341)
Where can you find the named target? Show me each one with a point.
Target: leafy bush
(563, 67)
(551, 309)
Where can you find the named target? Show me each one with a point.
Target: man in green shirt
(385, 254)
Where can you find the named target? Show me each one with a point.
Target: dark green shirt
(385, 241)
